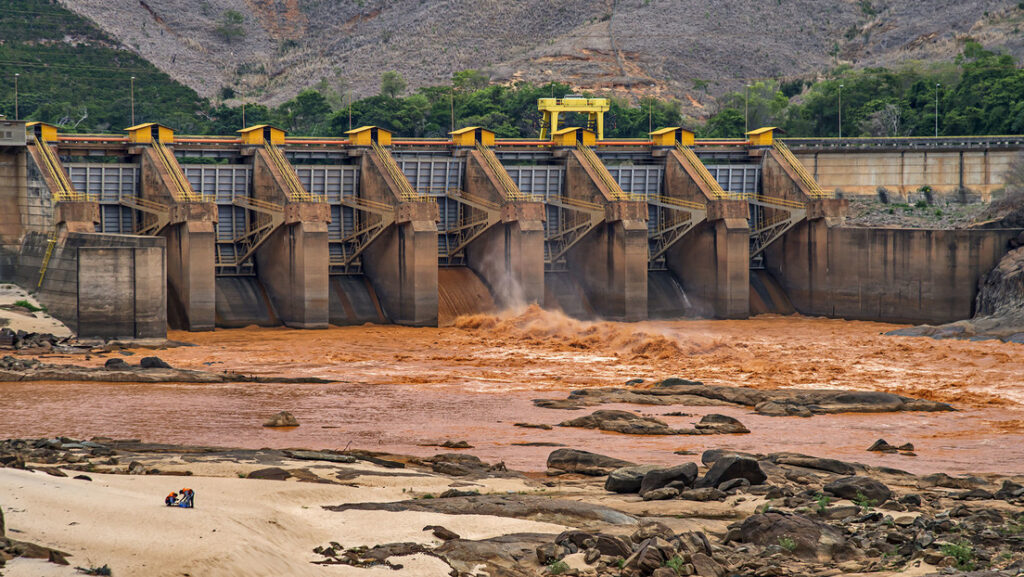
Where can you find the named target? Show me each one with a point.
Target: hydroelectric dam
(126, 235)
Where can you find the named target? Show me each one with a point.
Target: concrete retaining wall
(903, 173)
(892, 275)
(101, 285)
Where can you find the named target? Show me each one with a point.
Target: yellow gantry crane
(552, 107)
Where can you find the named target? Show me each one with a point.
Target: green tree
(392, 84)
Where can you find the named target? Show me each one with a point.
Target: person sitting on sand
(171, 500)
(187, 496)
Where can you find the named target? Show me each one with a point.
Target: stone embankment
(117, 370)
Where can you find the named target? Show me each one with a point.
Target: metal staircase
(64, 192)
(774, 217)
(267, 218)
(402, 186)
(476, 215)
(578, 218)
(181, 187)
(676, 218)
(157, 216)
(811, 186)
(613, 188)
(296, 192)
(512, 192)
(372, 219)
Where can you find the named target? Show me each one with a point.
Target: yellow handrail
(602, 172)
(296, 191)
(405, 191)
(574, 202)
(775, 201)
(814, 190)
(184, 189)
(679, 202)
(65, 191)
(512, 191)
(702, 171)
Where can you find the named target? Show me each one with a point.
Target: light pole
(840, 111)
(937, 109)
(16, 75)
(133, 99)
(746, 111)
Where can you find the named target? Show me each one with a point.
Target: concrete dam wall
(269, 231)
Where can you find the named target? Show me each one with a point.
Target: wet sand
(402, 388)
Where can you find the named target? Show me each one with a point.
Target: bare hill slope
(692, 50)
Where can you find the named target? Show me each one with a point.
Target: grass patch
(28, 305)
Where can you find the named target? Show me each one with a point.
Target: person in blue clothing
(171, 500)
(187, 498)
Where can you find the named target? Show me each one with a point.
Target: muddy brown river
(402, 389)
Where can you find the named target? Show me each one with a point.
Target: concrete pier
(713, 260)
(293, 263)
(611, 262)
(402, 262)
(508, 256)
(190, 242)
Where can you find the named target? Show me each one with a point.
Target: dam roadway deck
(267, 229)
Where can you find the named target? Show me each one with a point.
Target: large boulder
(733, 467)
(153, 363)
(621, 422)
(647, 558)
(658, 478)
(857, 488)
(583, 462)
(817, 463)
(805, 537)
(627, 479)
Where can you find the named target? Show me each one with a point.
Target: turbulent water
(401, 389)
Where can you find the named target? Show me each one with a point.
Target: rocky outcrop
(16, 369)
(563, 461)
(802, 536)
(778, 402)
(633, 424)
(859, 489)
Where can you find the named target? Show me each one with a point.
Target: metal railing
(182, 187)
(160, 214)
(773, 202)
(405, 190)
(695, 163)
(296, 192)
(812, 187)
(512, 192)
(65, 192)
(610, 184)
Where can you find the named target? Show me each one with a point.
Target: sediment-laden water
(402, 389)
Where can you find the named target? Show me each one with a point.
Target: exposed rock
(628, 479)
(533, 426)
(810, 539)
(705, 566)
(329, 456)
(944, 480)
(881, 446)
(1008, 491)
(115, 363)
(817, 463)
(153, 363)
(711, 455)
(782, 409)
(559, 511)
(658, 478)
(715, 424)
(582, 462)
(660, 494)
(855, 488)
(732, 467)
(621, 422)
(282, 419)
(270, 473)
(703, 494)
(442, 533)
(646, 559)
(456, 445)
